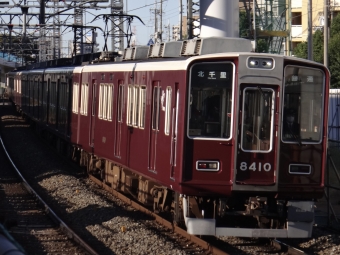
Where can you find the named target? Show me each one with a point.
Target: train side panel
(151, 145)
(146, 144)
(101, 126)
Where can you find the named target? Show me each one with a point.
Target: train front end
(255, 146)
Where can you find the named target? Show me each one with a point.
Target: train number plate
(255, 166)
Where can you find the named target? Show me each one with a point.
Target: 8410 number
(255, 166)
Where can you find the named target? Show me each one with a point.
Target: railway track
(271, 245)
(183, 242)
(29, 219)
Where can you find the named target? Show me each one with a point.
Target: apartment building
(299, 18)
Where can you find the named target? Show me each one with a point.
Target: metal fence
(332, 178)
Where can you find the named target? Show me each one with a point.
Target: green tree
(334, 60)
(244, 25)
(301, 50)
(335, 26)
(318, 46)
(334, 52)
(262, 46)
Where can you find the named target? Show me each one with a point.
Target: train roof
(182, 63)
(159, 57)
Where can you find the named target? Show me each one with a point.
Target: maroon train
(229, 141)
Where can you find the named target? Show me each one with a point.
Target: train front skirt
(299, 225)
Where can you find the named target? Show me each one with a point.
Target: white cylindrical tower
(219, 18)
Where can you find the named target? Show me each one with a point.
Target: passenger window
(75, 98)
(84, 99)
(167, 111)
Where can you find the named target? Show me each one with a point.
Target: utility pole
(180, 19)
(161, 23)
(156, 27)
(310, 30)
(190, 31)
(325, 33)
(254, 21)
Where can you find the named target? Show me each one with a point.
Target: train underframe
(240, 211)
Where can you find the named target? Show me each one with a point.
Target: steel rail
(287, 248)
(200, 242)
(64, 228)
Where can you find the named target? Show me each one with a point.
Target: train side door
(93, 113)
(119, 120)
(155, 115)
(256, 154)
(174, 128)
(162, 149)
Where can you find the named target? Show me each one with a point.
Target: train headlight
(207, 165)
(263, 63)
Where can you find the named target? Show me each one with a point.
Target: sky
(141, 8)
(144, 9)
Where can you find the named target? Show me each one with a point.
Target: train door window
(136, 106)
(19, 85)
(35, 93)
(15, 82)
(120, 104)
(156, 108)
(130, 97)
(63, 100)
(75, 98)
(45, 90)
(61, 95)
(257, 119)
(104, 101)
(303, 105)
(53, 98)
(101, 101)
(142, 106)
(167, 110)
(94, 99)
(210, 101)
(84, 99)
(109, 102)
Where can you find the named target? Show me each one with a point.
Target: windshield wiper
(260, 89)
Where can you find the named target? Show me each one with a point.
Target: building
(282, 23)
(299, 18)
(175, 29)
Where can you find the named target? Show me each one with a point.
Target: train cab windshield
(210, 100)
(303, 105)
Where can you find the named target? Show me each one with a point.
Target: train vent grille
(212, 45)
(184, 47)
(133, 52)
(165, 50)
(198, 47)
(150, 50)
(136, 53)
(161, 50)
